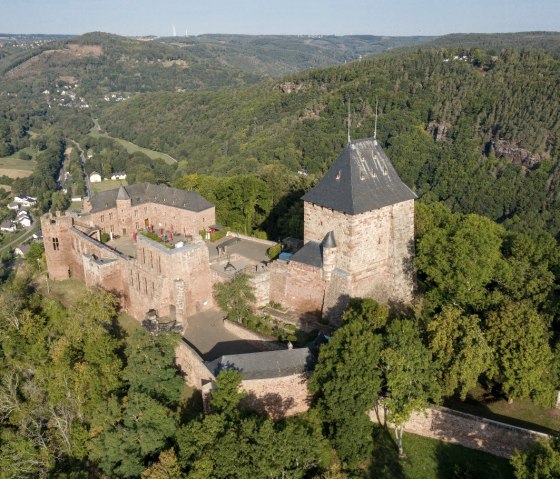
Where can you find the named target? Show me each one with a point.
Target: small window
(55, 244)
(102, 218)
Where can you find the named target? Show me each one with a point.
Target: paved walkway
(206, 332)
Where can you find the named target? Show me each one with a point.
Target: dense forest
(475, 130)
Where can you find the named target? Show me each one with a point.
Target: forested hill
(278, 55)
(476, 130)
(549, 41)
(102, 63)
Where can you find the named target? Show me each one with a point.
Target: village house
(94, 177)
(121, 175)
(8, 226)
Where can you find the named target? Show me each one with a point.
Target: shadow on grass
(385, 462)
(457, 462)
(481, 407)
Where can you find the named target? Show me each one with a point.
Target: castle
(358, 242)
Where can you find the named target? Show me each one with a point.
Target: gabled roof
(266, 364)
(148, 193)
(361, 179)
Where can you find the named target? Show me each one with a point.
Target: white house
(24, 221)
(95, 177)
(121, 175)
(25, 201)
(22, 250)
(8, 226)
(13, 206)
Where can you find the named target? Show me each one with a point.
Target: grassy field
(16, 168)
(107, 185)
(521, 413)
(430, 459)
(132, 147)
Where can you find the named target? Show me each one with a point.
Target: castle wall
(58, 246)
(298, 286)
(277, 397)
(124, 218)
(375, 247)
(171, 281)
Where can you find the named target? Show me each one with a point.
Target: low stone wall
(277, 397)
(192, 366)
(467, 430)
(259, 340)
(250, 238)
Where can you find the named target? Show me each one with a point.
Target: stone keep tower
(363, 203)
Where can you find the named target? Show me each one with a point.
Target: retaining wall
(467, 430)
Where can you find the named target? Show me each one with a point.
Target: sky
(288, 17)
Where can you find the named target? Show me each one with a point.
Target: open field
(107, 185)
(16, 168)
(132, 147)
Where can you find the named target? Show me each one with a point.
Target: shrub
(274, 251)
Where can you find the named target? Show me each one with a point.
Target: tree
(409, 375)
(167, 467)
(459, 349)
(142, 429)
(459, 260)
(245, 445)
(150, 368)
(347, 379)
(35, 255)
(226, 396)
(542, 461)
(519, 337)
(234, 297)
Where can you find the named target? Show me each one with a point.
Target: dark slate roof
(122, 194)
(266, 364)
(328, 240)
(148, 193)
(361, 179)
(310, 254)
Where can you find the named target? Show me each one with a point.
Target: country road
(23, 236)
(83, 164)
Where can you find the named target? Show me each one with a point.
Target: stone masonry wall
(277, 397)
(297, 286)
(125, 218)
(191, 365)
(467, 430)
(375, 247)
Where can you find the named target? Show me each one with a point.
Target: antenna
(349, 119)
(375, 127)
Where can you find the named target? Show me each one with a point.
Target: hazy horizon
(292, 17)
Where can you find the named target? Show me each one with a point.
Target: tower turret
(328, 246)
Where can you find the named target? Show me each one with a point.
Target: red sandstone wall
(277, 397)
(125, 217)
(374, 247)
(298, 286)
